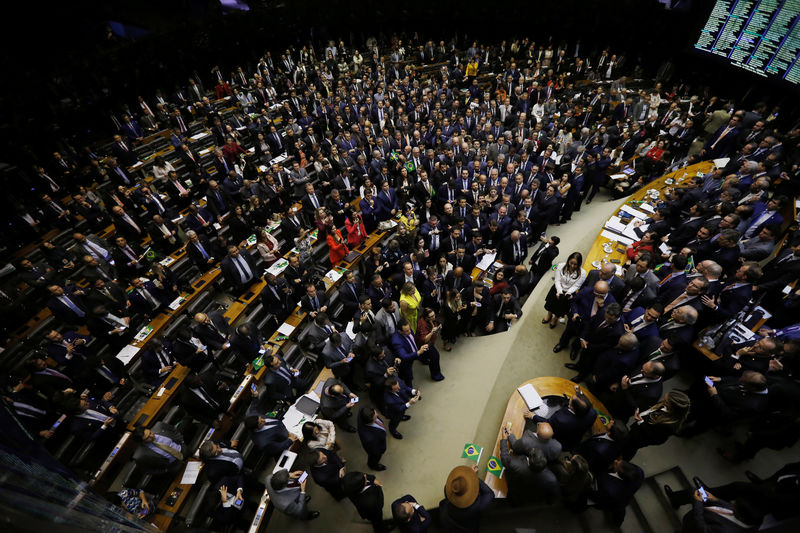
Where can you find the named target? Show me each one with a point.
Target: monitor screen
(761, 36)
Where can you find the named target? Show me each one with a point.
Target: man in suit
(200, 251)
(123, 151)
(128, 258)
(503, 311)
(313, 302)
(277, 296)
(514, 249)
(282, 381)
(616, 487)
(200, 400)
(405, 347)
(327, 469)
(157, 362)
(372, 434)
(161, 449)
(164, 235)
(311, 200)
(338, 356)
(200, 220)
(647, 293)
(542, 258)
(643, 322)
(92, 420)
(598, 334)
(126, 225)
(410, 516)
(571, 422)
(146, 299)
(529, 480)
(397, 398)
(67, 304)
(246, 342)
(735, 294)
(269, 435)
(366, 493)
(288, 494)
(723, 141)
(728, 399)
(615, 362)
(601, 449)
(387, 320)
(95, 246)
(584, 306)
(213, 330)
(638, 390)
(335, 403)
(606, 273)
(350, 291)
(239, 269)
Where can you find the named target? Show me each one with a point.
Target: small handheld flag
(495, 467)
(472, 452)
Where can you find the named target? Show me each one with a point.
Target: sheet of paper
(278, 267)
(615, 224)
(486, 261)
(167, 261)
(333, 275)
(349, 331)
(191, 472)
(199, 136)
(647, 207)
(617, 177)
(204, 151)
(286, 329)
(630, 230)
(664, 248)
(127, 353)
(143, 333)
(531, 397)
(177, 302)
(611, 236)
(721, 162)
(634, 212)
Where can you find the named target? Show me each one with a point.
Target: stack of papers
(286, 329)
(191, 472)
(199, 136)
(720, 163)
(615, 224)
(633, 212)
(177, 302)
(611, 236)
(486, 261)
(531, 397)
(167, 261)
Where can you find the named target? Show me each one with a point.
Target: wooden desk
(516, 407)
(596, 252)
(149, 412)
(164, 514)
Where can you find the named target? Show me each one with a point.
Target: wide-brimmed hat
(462, 486)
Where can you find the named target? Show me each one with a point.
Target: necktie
(244, 270)
(74, 308)
(410, 339)
(202, 250)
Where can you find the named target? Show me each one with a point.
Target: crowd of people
(456, 164)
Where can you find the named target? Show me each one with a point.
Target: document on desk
(143, 333)
(615, 224)
(278, 267)
(191, 472)
(177, 302)
(630, 230)
(611, 236)
(334, 275)
(617, 177)
(531, 397)
(486, 261)
(167, 261)
(286, 329)
(199, 136)
(634, 212)
(647, 207)
(127, 353)
(721, 162)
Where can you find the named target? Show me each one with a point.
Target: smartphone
(253, 388)
(58, 422)
(708, 381)
(302, 477)
(354, 400)
(703, 493)
(238, 502)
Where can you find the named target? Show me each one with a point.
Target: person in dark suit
(336, 401)
(588, 302)
(457, 279)
(606, 273)
(466, 497)
(67, 304)
(616, 487)
(728, 399)
(410, 516)
(350, 291)
(200, 251)
(277, 297)
(602, 449)
(161, 449)
(514, 249)
(146, 299)
(199, 399)
(372, 434)
(128, 258)
(313, 302)
(282, 381)
(213, 330)
(288, 495)
(221, 460)
(397, 398)
(123, 152)
(327, 469)
(269, 435)
(722, 141)
(529, 480)
(636, 391)
(92, 420)
(239, 269)
(735, 294)
(164, 234)
(201, 220)
(246, 341)
(127, 225)
(571, 422)
(156, 362)
(542, 258)
(504, 309)
(643, 322)
(615, 362)
(366, 493)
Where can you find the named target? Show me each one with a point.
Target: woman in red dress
(356, 232)
(337, 247)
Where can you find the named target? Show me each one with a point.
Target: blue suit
(373, 440)
(644, 332)
(404, 349)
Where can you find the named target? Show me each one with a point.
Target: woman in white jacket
(569, 277)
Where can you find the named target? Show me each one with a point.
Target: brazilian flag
(410, 166)
(472, 452)
(494, 467)
(689, 265)
(604, 418)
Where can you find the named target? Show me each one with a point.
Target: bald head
(544, 431)
(601, 288)
(607, 271)
(628, 342)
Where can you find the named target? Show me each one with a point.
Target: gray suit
(651, 283)
(529, 439)
(333, 356)
(149, 459)
(525, 485)
(386, 326)
(289, 500)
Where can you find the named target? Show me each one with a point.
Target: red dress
(336, 250)
(356, 233)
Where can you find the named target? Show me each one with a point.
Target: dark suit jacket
(231, 272)
(151, 364)
(373, 440)
(507, 251)
(272, 439)
(216, 469)
(327, 476)
(197, 256)
(615, 284)
(568, 428)
(599, 452)
(153, 462)
(613, 494)
(212, 337)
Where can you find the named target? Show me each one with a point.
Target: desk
(596, 252)
(516, 407)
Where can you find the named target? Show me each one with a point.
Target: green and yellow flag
(494, 466)
(472, 452)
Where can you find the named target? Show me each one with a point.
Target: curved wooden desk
(681, 178)
(516, 408)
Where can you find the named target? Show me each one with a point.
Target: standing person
(569, 277)
(409, 304)
(366, 493)
(427, 328)
(466, 497)
(288, 495)
(267, 246)
(453, 319)
(410, 516)
(354, 224)
(337, 247)
(372, 434)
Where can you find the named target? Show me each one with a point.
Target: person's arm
(485, 495)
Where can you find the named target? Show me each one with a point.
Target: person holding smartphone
(287, 493)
